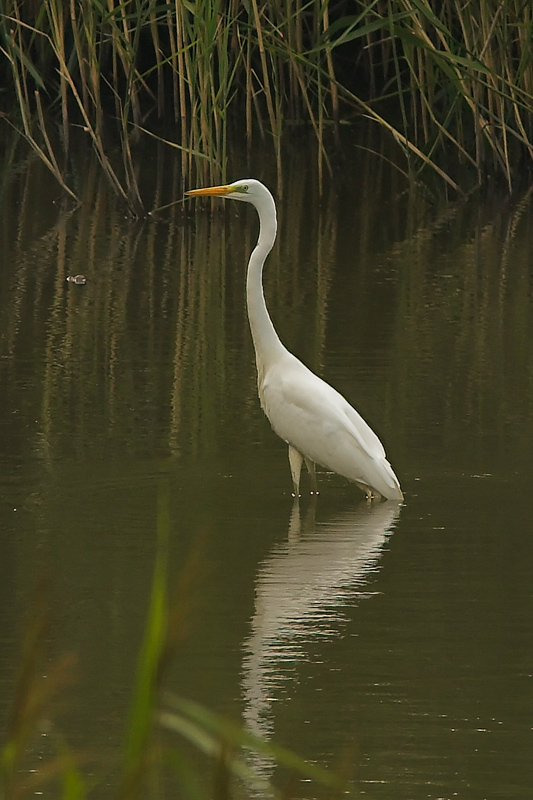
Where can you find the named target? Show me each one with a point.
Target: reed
(452, 83)
(463, 76)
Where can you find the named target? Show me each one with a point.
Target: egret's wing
(364, 432)
(303, 409)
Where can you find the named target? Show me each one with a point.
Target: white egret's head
(248, 189)
(251, 191)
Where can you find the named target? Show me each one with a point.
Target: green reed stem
(449, 81)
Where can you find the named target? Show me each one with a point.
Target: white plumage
(317, 423)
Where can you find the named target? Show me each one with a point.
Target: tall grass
(451, 82)
(468, 70)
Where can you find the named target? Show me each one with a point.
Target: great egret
(317, 423)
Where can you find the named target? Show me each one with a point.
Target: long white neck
(267, 344)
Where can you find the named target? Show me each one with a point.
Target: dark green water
(396, 641)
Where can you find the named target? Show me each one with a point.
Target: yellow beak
(210, 190)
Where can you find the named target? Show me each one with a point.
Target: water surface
(394, 641)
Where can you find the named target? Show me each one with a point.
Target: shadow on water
(417, 309)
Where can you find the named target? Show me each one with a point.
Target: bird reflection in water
(301, 588)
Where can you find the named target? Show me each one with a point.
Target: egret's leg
(371, 494)
(312, 474)
(295, 460)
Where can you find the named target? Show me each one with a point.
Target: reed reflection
(301, 588)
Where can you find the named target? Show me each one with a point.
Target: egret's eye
(242, 189)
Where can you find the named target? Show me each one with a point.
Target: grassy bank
(451, 83)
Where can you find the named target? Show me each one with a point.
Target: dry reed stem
(459, 76)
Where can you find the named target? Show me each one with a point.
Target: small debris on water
(79, 279)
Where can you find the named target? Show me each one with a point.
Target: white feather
(313, 418)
